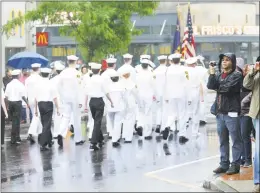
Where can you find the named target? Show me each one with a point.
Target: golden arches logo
(42, 39)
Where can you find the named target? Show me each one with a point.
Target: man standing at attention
(227, 84)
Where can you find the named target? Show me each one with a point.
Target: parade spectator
(227, 84)
(7, 78)
(84, 70)
(251, 82)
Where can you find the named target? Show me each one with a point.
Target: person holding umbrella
(15, 92)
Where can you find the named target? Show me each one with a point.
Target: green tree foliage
(100, 28)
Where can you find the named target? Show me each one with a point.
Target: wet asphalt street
(132, 167)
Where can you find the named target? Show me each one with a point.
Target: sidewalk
(242, 182)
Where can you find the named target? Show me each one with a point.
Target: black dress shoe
(55, 137)
(183, 140)
(148, 138)
(72, 129)
(109, 137)
(14, 143)
(166, 133)
(101, 144)
(50, 144)
(139, 131)
(80, 143)
(115, 144)
(127, 141)
(203, 123)
(44, 148)
(31, 139)
(220, 170)
(166, 149)
(233, 170)
(158, 129)
(60, 141)
(94, 147)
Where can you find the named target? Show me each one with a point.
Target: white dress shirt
(69, 84)
(31, 85)
(132, 73)
(117, 94)
(96, 87)
(106, 75)
(160, 80)
(145, 84)
(15, 90)
(46, 91)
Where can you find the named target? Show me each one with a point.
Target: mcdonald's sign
(42, 38)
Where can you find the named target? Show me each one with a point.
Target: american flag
(188, 43)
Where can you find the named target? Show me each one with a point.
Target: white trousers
(115, 120)
(177, 113)
(57, 121)
(128, 124)
(109, 125)
(145, 116)
(162, 113)
(36, 126)
(194, 113)
(71, 120)
(68, 108)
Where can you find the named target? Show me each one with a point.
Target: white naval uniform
(106, 76)
(160, 81)
(146, 92)
(131, 106)
(70, 93)
(56, 117)
(175, 94)
(138, 68)
(90, 124)
(204, 79)
(31, 85)
(132, 73)
(115, 115)
(193, 87)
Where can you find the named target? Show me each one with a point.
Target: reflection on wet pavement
(25, 168)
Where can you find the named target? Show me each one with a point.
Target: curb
(218, 185)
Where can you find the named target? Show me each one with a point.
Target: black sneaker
(50, 144)
(80, 142)
(166, 133)
(183, 140)
(166, 149)
(158, 129)
(127, 141)
(220, 170)
(233, 170)
(31, 139)
(247, 164)
(139, 131)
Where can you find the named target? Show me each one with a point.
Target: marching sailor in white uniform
(195, 95)
(160, 81)
(116, 113)
(131, 104)
(175, 95)
(57, 117)
(111, 63)
(70, 93)
(146, 94)
(128, 63)
(31, 85)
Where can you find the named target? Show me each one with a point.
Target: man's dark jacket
(228, 89)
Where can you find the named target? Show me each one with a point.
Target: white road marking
(180, 165)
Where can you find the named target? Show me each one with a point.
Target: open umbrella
(26, 59)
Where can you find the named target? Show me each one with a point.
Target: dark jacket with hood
(228, 89)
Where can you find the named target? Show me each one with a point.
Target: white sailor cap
(111, 60)
(59, 66)
(46, 70)
(72, 57)
(192, 60)
(129, 56)
(151, 64)
(162, 57)
(36, 65)
(126, 70)
(16, 72)
(145, 61)
(174, 56)
(145, 57)
(113, 74)
(96, 66)
(91, 63)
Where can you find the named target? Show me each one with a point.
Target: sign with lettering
(226, 30)
(17, 30)
(42, 39)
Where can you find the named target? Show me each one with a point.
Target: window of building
(145, 29)
(156, 29)
(218, 18)
(167, 30)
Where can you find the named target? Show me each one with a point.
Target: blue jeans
(226, 126)
(256, 159)
(246, 126)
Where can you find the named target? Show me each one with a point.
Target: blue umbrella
(26, 59)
